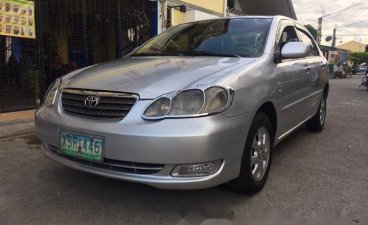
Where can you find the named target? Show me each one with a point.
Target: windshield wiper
(207, 53)
(158, 54)
(188, 53)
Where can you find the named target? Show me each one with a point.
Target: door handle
(307, 69)
(280, 85)
(323, 65)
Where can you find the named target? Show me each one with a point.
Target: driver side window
(308, 40)
(287, 35)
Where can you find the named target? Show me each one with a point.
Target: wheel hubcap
(260, 153)
(322, 111)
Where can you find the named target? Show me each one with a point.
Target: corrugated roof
(266, 7)
(353, 46)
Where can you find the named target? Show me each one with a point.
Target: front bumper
(168, 142)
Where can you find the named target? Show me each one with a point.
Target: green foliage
(35, 81)
(359, 57)
(312, 30)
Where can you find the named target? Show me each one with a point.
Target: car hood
(151, 77)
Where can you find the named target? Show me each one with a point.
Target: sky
(350, 17)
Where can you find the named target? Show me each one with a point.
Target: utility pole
(319, 31)
(334, 37)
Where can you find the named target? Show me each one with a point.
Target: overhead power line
(352, 35)
(345, 9)
(349, 24)
(337, 12)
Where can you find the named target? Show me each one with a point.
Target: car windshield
(241, 37)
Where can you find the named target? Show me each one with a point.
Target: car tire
(317, 122)
(251, 179)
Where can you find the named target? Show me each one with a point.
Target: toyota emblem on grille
(91, 101)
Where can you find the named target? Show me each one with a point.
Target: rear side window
(304, 37)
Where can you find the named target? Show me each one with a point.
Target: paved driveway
(313, 177)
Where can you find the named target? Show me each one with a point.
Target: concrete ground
(13, 117)
(16, 123)
(314, 177)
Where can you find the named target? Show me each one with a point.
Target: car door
(292, 83)
(315, 65)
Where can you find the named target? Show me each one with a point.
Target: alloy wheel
(322, 111)
(260, 153)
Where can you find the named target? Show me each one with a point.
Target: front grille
(114, 165)
(111, 106)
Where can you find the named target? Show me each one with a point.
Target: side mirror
(133, 51)
(295, 50)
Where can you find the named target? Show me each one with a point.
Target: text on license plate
(87, 147)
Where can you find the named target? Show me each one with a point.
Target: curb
(16, 128)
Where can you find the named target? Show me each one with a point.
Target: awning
(266, 7)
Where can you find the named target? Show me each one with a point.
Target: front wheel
(317, 122)
(257, 157)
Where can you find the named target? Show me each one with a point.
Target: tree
(312, 30)
(359, 57)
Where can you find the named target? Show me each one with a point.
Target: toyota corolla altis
(199, 105)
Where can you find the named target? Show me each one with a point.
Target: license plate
(82, 146)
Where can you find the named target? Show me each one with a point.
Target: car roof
(260, 16)
(276, 17)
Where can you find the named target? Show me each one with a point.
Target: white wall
(195, 15)
(161, 16)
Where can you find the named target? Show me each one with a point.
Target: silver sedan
(199, 105)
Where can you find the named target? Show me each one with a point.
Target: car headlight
(192, 102)
(186, 103)
(158, 108)
(52, 92)
(216, 99)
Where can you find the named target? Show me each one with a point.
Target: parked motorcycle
(354, 69)
(365, 80)
(343, 70)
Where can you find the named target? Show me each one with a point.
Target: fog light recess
(197, 170)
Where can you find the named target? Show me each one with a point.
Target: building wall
(178, 17)
(196, 10)
(189, 16)
(196, 15)
(213, 5)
